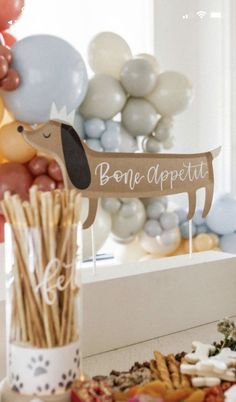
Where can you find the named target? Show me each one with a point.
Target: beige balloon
(105, 98)
(107, 53)
(156, 246)
(138, 77)
(172, 94)
(152, 60)
(129, 252)
(13, 147)
(139, 117)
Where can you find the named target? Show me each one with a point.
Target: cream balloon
(105, 98)
(203, 242)
(123, 226)
(13, 146)
(152, 60)
(129, 252)
(138, 77)
(107, 53)
(172, 94)
(158, 246)
(139, 117)
(101, 227)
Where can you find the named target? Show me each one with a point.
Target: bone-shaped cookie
(201, 352)
(209, 368)
(226, 356)
(230, 394)
(199, 382)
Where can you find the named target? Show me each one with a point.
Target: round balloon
(222, 216)
(163, 129)
(105, 98)
(107, 53)
(203, 242)
(8, 39)
(150, 144)
(94, 127)
(138, 77)
(45, 183)
(228, 243)
(129, 252)
(79, 125)
(125, 227)
(101, 228)
(162, 245)
(94, 144)
(10, 11)
(128, 142)
(111, 138)
(13, 146)
(15, 177)
(38, 166)
(152, 60)
(111, 205)
(1, 109)
(51, 71)
(139, 117)
(172, 93)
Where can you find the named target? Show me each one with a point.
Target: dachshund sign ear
(75, 158)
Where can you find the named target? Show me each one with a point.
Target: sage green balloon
(105, 98)
(152, 60)
(139, 117)
(138, 77)
(172, 94)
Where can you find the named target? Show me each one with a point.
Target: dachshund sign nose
(20, 129)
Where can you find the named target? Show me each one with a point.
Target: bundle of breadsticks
(45, 250)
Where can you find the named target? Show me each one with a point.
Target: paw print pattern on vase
(17, 385)
(67, 380)
(38, 365)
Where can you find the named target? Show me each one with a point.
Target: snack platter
(206, 374)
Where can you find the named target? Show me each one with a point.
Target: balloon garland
(128, 105)
(133, 91)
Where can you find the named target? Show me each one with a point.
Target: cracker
(163, 370)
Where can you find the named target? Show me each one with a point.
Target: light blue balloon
(94, 127)
(222, 216)
(155, 209)
(182, 215)
(152, 228)
(111, 205)
(169, 220)
(228, 243)
(202, 229)
(79, 125)
(111, 138)
(128, 143)
(94, 144)
(51, 71)
(184, 229)
(197, 218)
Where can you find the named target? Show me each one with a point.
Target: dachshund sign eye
(47, 135)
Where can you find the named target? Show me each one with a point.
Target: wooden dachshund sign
(112, 174)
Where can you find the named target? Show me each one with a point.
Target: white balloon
(104, 99)
(125, 227)
(159, 245)
(111, 205)
(101, 227)
(172, 94)
(163, 128)
(139, 117)
(150, 144)
(152, 60)
(129, 252)
(107, 53)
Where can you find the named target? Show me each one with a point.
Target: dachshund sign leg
(191, 204)
(209, 192)
(93, 206)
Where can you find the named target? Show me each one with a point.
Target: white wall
(79, 20)
(197, 44)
